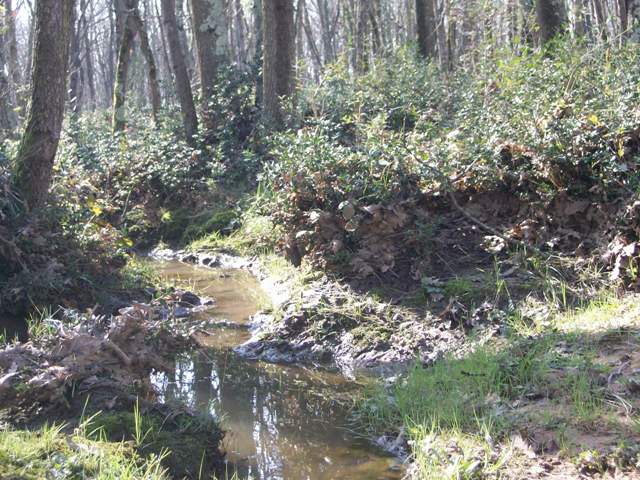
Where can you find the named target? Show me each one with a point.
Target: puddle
(283, 422)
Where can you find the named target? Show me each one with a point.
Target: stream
(282, 422)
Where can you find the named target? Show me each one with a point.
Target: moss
(188, 445)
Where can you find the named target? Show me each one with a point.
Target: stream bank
(90, 372)
(282, 421)
(326, 322)
(172, 366)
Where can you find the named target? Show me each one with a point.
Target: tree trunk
(183, 85)
(362, 33)
(204, 30)
(279, 54)
(376, 34)
(221, 31)
(551, 16)
(257, 31)
(88, 55)
(152, 69)
(37, 151)
(75, 70)
(601, 18)
(633, 9)
(15, 77)
(6, 124)
(426, 28)
(119, 115)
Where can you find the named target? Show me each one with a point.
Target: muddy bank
(83, 363)
(329, 323)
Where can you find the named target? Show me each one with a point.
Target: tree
(279, 54)
(13, 64)
(550, 15)
(257, 31)
(37, 151)
(633, 9)
(118, 119)
(6, 123)
(152, 69)
(183, 85)
(426, 28)
(204, 32)
(132, 25)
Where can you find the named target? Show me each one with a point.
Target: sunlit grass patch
(256, 235)
(562, 380)
(33, 455)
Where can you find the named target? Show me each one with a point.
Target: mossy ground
(115, 444)
(51, 453)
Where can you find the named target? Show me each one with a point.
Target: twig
(448, 186)
(118, 351)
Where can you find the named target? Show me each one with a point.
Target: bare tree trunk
(119, 114)
(204, 31)
(15, 77)
(426, 28)
(376, 34)
(91, 78)
(362, 32)
(600, 18)
(258, 33)
(633, 9)
(441, 33)
(623, 8)
(75, 70)
(279, 55)
(165, 52)
(308, 29)
(37, 151)
(240, 32)
(6, 123)
(183, 85)
(551, 16)
(221, 31)
(325, 27)
(152, 69)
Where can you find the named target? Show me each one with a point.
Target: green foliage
(127, 181)
(529, 123)
(51, 453)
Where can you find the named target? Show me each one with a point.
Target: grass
(51, 453)
(461, 413)
(257, 235)
(113, 445)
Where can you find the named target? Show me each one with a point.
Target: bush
(372, 149)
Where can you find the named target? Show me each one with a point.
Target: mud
(317, 327)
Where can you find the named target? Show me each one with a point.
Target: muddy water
(286, 423)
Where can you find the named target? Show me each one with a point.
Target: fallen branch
(118, 351)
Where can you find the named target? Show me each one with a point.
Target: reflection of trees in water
(282, 422)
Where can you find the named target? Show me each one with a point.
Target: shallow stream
(282, 422)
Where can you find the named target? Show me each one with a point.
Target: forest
(319, 239)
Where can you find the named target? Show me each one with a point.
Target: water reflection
(284, 423)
